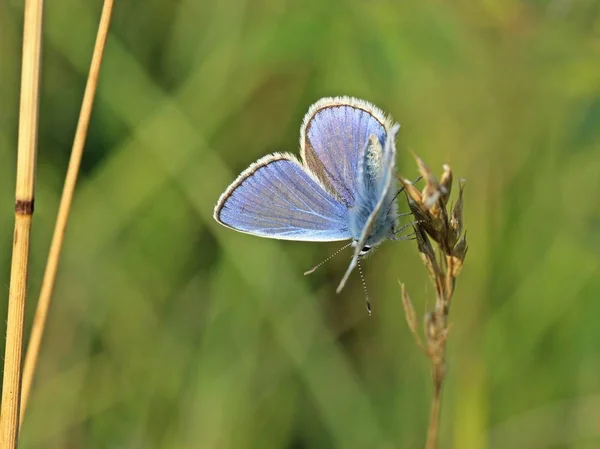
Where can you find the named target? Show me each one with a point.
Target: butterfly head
(365, 250)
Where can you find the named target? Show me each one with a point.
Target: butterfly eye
(365, 250)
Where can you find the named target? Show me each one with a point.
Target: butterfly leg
(402, 228)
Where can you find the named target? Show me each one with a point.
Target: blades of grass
(24, 194)
(41, 312)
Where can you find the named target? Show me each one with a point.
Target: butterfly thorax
(383, 227)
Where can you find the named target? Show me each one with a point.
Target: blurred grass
(168, 331)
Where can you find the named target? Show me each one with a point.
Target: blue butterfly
(343, 188)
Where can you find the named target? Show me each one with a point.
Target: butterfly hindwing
(333, 138)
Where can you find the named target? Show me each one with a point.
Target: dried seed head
(429, 259)
(423, 169)
(411, 191)
(436, 332)
(422, 217)
(446, 184)
(424, 245)
(459, 252)
(431, 326)
(435, 324)
(431, 196)
(431, 191)
(456, 220)
(411, 317)
(409, 310)
(436, 222)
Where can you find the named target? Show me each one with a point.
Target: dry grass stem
(443, 247)
(41, 313)
(411, 318)
(24, 196)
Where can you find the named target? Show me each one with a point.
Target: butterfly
(342, 188)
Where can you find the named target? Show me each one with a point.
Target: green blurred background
(170, 331)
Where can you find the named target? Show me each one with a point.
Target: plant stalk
(434, 415)
(24, 200)
(41, 313)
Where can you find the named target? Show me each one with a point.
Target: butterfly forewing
(277, 198)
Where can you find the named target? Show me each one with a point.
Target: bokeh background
(170, 331)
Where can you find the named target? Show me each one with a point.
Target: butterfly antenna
(362, 278)
(313, 269)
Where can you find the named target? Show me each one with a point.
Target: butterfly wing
(382, 187)
(277, 198)
(333, 138)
